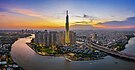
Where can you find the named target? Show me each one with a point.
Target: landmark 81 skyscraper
(67, 40)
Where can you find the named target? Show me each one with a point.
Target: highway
(112, 52)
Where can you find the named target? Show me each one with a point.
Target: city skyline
(67, 34)
(84, 14)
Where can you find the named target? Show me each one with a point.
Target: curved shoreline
(30, 60)
(78, 59)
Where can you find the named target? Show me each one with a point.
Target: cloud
(26, 12)
(86, 19)
(128, 23)
(81, 27)
(85, 16)
(22, 11)
(3, 10)
(81, 22)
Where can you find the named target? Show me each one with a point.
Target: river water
(29, 60)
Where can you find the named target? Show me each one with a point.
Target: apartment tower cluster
(54, 38)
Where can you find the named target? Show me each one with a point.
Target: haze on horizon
(83, 14)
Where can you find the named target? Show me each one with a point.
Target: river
(30, 60)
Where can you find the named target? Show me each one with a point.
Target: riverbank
(119, 46)
(6, 41)
(93, 55)
(30, 60)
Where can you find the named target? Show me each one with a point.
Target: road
(112, 52)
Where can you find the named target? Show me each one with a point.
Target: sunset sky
(43, 14)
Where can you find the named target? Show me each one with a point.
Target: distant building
(61, 37)
(38, 38)
(27, 31)
(72, 37)
(94, 37)
(53, 38)
(41, 38)
(46, 38)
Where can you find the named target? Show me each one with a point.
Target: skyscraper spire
(67, 12)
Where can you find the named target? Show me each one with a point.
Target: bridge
(112, 52)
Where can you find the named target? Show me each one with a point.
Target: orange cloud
(12, 20)
(111, 27)
(27, 12)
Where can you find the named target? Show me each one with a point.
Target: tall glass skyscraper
(67, 39)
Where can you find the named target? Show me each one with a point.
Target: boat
(68, 59)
